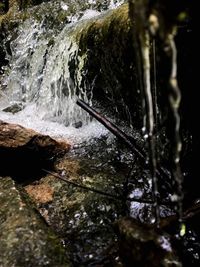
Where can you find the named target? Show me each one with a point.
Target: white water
(40, 77)
(29, 118)
(175, 99)
(40, 73)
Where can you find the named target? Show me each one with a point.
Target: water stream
(150, 122)
(45, 76)
(174, 100)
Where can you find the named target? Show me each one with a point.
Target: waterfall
(46, 68)
(42, 73)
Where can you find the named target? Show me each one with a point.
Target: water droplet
(177, 159)
(63, 173)
(183, 229)
(152, 219)
(174, 198)
(197, 201)
(196, 256)
(143, 129)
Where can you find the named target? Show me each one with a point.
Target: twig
(112, 128)
(115, 197)
(83, 186)
(128, 140)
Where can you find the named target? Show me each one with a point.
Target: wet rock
(40, 193)
(23, 149)
(78, 124)
(83, 218)
(141, 245)
(25, 238)
(14, 108)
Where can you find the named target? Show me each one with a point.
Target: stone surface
(40, 193)
(84, 218)
(14, 108)
(142, 245)
(13, 135)
(25, 238)
(23, 150)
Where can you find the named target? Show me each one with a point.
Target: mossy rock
(82, 217)
(25, 238)
(143, 245)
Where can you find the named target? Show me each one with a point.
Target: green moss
(26, 240)
(2, 6)
(106, 45)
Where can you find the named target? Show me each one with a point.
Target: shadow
(24, 164)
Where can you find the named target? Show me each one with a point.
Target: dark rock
(25, 238)
(23, 149)
(142, 245)
(78, 124)
(83, 218)
(14, 108)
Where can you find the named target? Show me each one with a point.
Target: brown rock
(24, 152)
(40, 193)
(13, 135)
(25, 239)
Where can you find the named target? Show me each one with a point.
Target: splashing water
(41, 78)
(46, 74)
(30, 118)
(41, 74)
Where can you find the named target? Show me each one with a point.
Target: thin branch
(128, 140)
(82, 186)
(115, 197)
(112, 128)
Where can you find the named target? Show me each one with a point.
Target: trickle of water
(149, 117)
(174, 100)
(141, 34)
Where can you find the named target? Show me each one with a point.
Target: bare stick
(112, 128)
(128, 140)
(115, 197)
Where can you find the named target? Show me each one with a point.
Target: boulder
(14, 108)
(143, 245)
(25, 238)
(24, 152)
(83, 217)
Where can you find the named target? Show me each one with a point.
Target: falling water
(174, 100)
(138, 19)
(154, 87)
(41, 73)
(47, 75)
(46, 69)
(149, 105)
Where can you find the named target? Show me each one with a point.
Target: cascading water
(46, 73)
(40, 74)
